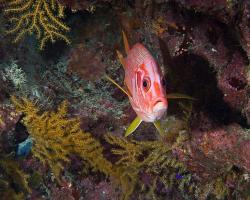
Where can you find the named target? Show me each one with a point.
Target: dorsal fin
(121, 58)
(125, 42)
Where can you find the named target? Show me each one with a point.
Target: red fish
(143, 80)
(144, 85)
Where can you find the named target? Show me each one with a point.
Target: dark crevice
(236, 83)
(212, 35)
(191, 74)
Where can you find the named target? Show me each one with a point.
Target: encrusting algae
(39, 17)
(56, 136)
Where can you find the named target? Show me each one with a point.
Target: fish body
(144, 86)
(143, 80)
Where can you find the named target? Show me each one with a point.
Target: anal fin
(158, 127)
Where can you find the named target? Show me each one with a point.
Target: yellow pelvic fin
(179, 96)
(158, 127)
(117, 85)
(133, 126)
(121, 58)
(125, 42)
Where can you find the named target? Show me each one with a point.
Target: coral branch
(40, 17)
(55, 137)
(151, 157)
(50, 131)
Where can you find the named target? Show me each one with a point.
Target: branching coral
(216, 187)
(11, 175)
(151, 157)
(50, 131)
(56, 136)
(41, 17)
(91, 150)
(15, 74)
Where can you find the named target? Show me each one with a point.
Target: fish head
(148, 95)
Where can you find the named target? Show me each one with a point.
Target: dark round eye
(146, 84)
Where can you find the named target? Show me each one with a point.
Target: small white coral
(15, 74)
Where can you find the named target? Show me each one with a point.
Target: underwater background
(62, 123)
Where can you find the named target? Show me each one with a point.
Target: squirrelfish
(143, 85)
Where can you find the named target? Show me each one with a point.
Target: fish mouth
(157, 102)
(159, 107)
(155, 112)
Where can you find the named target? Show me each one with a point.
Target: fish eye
(146, 84)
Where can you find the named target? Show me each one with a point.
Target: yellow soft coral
(153, 157)
(56, 136)
(51, 132)
(91, 150)
(13, 182)
(41, 17)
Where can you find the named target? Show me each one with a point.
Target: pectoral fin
(133, 126)
(117, 85)
(179, 96)
(158, 127)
